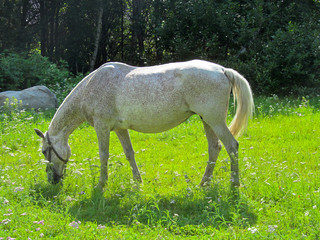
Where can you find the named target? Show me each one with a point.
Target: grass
(279, 197)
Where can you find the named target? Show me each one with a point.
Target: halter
(52, 148)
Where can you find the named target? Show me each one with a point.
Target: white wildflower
(272, 228)
(101, 226)
(75, 224)
(253, 230)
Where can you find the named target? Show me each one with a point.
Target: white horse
(117, 97)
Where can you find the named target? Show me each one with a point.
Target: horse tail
(245, 106)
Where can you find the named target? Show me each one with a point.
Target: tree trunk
(56, 36)
(137, 31)
(97, 41)
(52, 30)
(43, 27)
(122, 30)
(21, 38)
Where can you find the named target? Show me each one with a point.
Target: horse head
(56, 154)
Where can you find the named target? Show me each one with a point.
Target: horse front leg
(124, 138)
(214, 148)
(103, 134)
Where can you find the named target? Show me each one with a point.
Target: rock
(35, 97)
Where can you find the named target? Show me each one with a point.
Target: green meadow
(279, 196)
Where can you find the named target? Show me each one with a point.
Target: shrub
(20, 71)
(286, 64)
(290, 61)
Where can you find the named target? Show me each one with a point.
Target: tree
(267, 41)
(43, 27)
(98, 36)
(137, 31)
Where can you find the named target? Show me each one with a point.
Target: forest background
(274, 44)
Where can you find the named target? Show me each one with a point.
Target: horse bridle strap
(57, 154)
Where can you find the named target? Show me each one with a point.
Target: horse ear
(39, 133)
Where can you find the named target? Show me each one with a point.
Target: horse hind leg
(232, 147)
(214, 148)
(124, 138)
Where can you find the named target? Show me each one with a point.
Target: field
(279, 197)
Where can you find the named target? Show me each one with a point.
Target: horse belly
(162, 124)
(152, 119)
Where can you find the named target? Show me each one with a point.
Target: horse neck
(68, 117)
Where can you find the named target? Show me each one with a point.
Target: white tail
(245, 106)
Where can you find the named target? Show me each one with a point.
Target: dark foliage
(274, 44)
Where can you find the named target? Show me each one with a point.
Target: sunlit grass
(278, 199)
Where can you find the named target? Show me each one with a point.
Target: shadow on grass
(190, 210)
(43, 192)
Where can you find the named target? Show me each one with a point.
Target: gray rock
(35, 97)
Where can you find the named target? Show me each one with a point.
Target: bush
(20, 71)
(290, 61)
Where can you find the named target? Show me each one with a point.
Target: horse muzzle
(53, 177)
